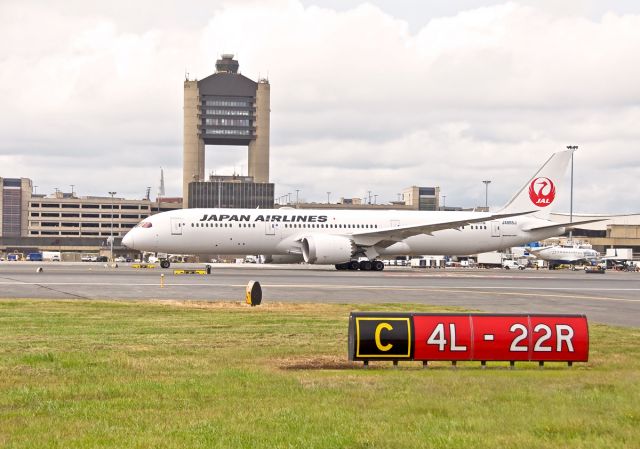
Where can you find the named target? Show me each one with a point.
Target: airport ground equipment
(143, 265)
(468, 337)
(201, 271)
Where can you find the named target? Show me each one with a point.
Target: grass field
(222, 375)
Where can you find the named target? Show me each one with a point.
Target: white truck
(492, 259)
(53, 256)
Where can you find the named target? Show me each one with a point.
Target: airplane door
(176, 226)
(495, 229)
(269, 228)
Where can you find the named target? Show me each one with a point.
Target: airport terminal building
(64, 221)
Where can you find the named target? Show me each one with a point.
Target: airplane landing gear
(365, 265)
(164, 263)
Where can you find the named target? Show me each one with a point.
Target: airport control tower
(226, 108)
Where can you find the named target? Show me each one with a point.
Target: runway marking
(329, 287)
(476, 290)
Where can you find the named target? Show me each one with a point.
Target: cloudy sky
(365, 96)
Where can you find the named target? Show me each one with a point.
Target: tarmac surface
(611, 298)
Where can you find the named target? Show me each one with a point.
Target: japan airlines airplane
(558, 255)
(342, 237)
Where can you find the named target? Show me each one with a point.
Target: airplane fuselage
(279, 231)
(558, 254)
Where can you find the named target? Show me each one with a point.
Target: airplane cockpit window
(144, 224)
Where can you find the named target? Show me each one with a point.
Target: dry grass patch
(326, 362)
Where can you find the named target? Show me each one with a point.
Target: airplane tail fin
(540, 193)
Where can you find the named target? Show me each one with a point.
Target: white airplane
(342, 237)
(558, 255)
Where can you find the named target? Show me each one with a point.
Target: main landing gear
(364, 265)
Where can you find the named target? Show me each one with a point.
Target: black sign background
(393, 339)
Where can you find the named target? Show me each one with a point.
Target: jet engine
(327, 249)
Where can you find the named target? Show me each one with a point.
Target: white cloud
(360, 100)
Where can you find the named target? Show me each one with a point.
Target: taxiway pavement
(611, 298)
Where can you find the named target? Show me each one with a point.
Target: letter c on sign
(379, 329)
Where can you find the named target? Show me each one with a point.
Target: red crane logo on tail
(542, 192)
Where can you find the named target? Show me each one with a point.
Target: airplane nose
(127, 240)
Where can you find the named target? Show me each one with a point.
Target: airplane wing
(388, 236)
(570, 225)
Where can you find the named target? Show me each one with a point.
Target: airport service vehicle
(490, 259)
(598, 268)
(559, 255)
(512, 265)
(343, 237)
(53, 256)
(34, 257)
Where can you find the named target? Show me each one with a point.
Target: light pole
(375, 199)
(486, 194)
(369, 198)
(444, 202)
(328, 196)
(573, 148)
(111, 233)
(297, 191)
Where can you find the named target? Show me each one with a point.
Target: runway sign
(468, 337)
(143, 265)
